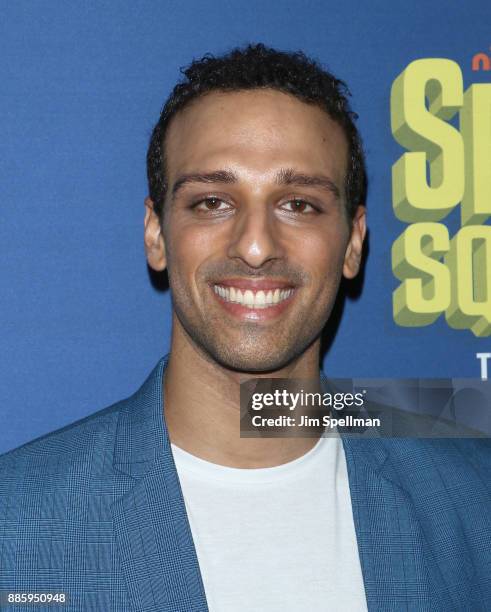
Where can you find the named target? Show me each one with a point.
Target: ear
(154, 239)
(352, 258)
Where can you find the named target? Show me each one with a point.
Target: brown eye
(211, 205)
(299, 206)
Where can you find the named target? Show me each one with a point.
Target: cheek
(323, 256)
(189, 249)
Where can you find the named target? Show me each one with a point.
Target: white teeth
(249, 298)
(260, 299)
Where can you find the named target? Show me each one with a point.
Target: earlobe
(153, 237)
(354, 250)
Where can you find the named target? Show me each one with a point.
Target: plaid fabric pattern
(95, 510)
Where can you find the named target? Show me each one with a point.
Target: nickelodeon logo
(444, 167)
(481, 61)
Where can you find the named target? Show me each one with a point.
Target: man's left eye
(211, 204)
(299, 206)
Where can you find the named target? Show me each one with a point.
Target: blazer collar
(141, 434)
(142, 437)
(151, 526)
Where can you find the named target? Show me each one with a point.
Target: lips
(253, 299)
(254, 284)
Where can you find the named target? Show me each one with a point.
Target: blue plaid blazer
(95, 510)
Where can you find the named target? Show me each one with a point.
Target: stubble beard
(254, 348)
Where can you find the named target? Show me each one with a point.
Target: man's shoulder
(95, 450)
(450, 461)
(452, 450)
(71, 449)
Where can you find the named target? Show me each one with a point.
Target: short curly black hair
(252, 67)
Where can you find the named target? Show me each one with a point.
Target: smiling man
(256, 211)
(255, 230)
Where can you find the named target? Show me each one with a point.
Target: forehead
(256, 131)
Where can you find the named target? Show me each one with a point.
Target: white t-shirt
(277, 539)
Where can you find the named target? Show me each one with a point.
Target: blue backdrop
(81, 85)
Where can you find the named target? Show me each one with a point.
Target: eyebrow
(218, 176)
(285, 176)
(288, 176)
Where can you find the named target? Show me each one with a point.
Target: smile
(253, 299)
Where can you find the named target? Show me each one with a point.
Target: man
(256, 211)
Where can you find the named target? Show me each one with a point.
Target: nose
(255, 236)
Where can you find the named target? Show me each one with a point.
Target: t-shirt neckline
(208, 470)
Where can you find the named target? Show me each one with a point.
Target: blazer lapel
(152, 530)
(398, 566)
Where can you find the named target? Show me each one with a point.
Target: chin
(253, 360)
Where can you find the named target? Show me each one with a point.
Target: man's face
(255, 232)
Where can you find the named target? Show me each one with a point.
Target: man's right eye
(211, 205)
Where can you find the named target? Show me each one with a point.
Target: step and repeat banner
(83, 319)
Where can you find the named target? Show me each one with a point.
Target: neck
(202, 407)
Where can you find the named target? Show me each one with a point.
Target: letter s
(425, 289)
(426, 134)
